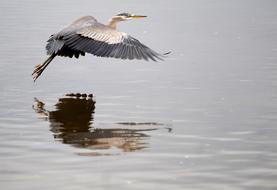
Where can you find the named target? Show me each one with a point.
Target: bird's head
(127, 16)
(122, 17)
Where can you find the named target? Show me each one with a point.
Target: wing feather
(86, 35)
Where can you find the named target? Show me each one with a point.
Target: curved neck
(113, 22)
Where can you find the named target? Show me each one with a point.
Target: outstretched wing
(101, 40)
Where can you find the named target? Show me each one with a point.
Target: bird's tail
(41, 67)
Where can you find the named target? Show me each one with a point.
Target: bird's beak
(137, 16)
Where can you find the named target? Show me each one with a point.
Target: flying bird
(87, 35)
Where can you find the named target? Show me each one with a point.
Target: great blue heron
(86, 35)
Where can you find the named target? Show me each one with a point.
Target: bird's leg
(41, 67)
(37, 67)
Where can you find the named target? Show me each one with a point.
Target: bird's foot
(37, 72)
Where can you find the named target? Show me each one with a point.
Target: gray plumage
(86, 35)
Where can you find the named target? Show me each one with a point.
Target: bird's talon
(38, 65)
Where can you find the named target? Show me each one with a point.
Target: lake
(205, 118)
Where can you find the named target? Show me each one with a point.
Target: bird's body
(86, 35)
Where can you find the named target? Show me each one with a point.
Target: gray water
(205, 118)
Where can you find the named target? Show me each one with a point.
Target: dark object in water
(71, 122)
(79, 95)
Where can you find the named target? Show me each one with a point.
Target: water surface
(205, 118)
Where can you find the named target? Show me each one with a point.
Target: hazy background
(205, 118)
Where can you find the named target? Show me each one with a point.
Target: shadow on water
(72, 123)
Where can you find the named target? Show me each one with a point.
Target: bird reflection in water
(72, 123)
